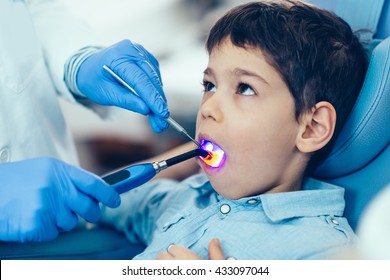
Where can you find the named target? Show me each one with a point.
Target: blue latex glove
(138, 68)
(43, 196)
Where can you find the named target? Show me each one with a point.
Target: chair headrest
(367, 131)
(383, 28)
(370, 15)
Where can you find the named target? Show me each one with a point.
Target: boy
(277, 75)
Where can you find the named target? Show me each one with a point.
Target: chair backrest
(360, 158)
(383, 28)
(373, 15)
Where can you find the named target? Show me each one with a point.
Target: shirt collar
(316, 198)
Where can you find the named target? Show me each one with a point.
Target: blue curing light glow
(216, 156)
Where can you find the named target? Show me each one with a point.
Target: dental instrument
(171, 121)
(133, 176)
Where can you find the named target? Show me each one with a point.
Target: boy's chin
(224, 189)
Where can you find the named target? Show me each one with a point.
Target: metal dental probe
(171, 121)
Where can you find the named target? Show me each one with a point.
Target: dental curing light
(216, 156)
(171, 121)
(133, 176)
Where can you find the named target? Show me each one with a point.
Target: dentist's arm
(41, 197)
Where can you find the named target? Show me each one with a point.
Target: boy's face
(248, 111)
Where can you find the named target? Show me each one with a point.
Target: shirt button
(4, 155)
(334, 221)
(252, 201)
(225, 208)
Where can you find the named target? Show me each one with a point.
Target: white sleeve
(61, 34)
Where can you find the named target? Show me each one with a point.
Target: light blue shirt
(306, 224)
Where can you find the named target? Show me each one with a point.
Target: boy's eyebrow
(238, 72)
(242, 72)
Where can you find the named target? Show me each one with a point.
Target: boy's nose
(212, 108)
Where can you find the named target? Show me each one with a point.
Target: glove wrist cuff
(72, 66)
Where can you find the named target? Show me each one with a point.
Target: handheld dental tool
(133, 176)
(171, 121)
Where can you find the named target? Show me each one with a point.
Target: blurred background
(174, 31)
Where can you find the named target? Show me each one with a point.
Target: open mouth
(216, 156)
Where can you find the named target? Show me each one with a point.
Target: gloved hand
(43, 196)
(138, 68)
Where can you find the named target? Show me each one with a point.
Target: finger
(155, 80)
(85, 206)
(66, 219)
(181, 253)
(122, 97)
(135, 76)
(93, 186)
(157, 124)
(164, 256)
(137, 52)
(215, 250)
(149, 57)
(153, 70)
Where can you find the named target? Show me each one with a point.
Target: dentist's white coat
(36, 38)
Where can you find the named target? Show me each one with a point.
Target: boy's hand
(178, 252)
(215, 250)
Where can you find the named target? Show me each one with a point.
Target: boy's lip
(203, 136)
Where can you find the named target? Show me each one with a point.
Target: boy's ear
(316, 127)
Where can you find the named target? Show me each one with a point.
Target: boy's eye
(208, 87)
(244, 89)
